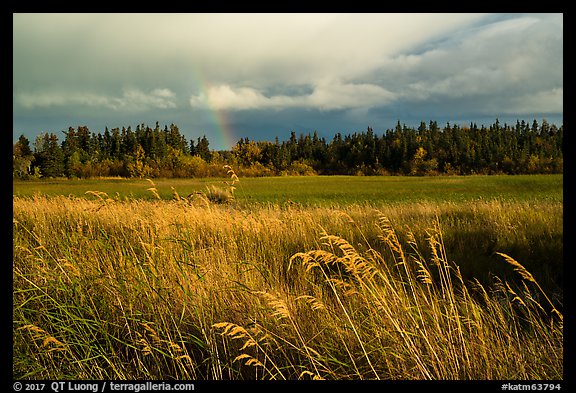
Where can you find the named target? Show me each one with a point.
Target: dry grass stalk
(526, 275)
(153, 189)
(48, 340)
(344, 312)
(278, 305)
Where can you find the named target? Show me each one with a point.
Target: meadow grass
(116, 288)
(328, 191)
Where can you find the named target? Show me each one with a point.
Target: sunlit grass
(111, 288)
(331, 191)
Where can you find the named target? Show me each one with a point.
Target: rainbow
(225, 134)
(225, 137)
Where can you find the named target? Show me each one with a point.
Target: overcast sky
(263, 75)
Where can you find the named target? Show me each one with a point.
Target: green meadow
(323, 190)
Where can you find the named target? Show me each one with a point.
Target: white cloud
(500, 59)
(501, 67)
(326, 95)
(225, 97)
(131, 99)
(546, 101)
(349, 96)
(256, 50)
(139, 100)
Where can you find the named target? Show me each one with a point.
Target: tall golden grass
(188, 289)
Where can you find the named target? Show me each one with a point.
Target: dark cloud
(273, 73)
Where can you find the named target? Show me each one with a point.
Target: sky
(261, 76)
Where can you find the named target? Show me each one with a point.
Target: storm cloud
(271, 73)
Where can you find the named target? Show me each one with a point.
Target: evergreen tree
(115, 144)
(49, 156)
(106, 144)
(129, 143)
(202, 149)
(22, 158)
(71, 152)
(23, 146)
(521, 148)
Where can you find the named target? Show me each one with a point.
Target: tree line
(522, 148)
